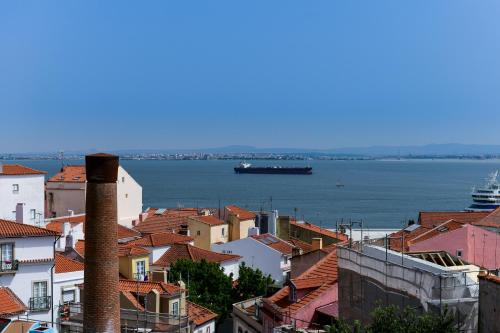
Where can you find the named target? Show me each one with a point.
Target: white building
(266, 252)
(229, 262)
(22, 194)
(66, 194)
(26, 263)
(68, 275)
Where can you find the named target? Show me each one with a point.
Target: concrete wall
(301, 263)
(256, 255)
(64, 196)
(31, 193)
(365, 278)
(489, 306)
(231, 267)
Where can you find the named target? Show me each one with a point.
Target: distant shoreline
(253, 157)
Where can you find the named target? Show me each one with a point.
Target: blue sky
(192, 74)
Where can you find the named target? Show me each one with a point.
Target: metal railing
(71, 317)
(40, 303)
(9, 265)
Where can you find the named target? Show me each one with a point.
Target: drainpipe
(52, 281)
(101, 308)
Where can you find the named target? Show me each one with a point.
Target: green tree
(391, 320)
(251, 283)
(207, 284)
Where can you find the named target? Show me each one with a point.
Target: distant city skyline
(289, 74)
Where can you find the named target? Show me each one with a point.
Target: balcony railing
(8, 265)
(40, 303)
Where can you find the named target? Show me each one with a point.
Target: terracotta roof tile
(420, 233)
(131, 251)
(160, 239)
(145, 287)
(241, 213)
(209, 219)
(306, 283)
(56, 224)
(17, 170)
(124, 232)
(432, 219)
(491, 220)
(190, 252)
(274, 243)
(319, 230)
(132, 299)
(11, 229)
(80, 248)
(489, 277)
(66, 265)
(161, 223)
(198, 314)
(36, 261)
(305, 247)
(10, 304)
(70, 174)
(326, 269)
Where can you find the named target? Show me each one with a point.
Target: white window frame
(6, 263)
(175, 308)
(15, 188)
(40, 308)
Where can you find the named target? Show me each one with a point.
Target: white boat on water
(486, 198)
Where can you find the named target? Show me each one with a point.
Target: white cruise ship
(486, 198)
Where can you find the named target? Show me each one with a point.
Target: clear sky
(192, 74)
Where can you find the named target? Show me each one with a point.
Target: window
(7, 257)
(198, 233)
(126, 195)
(285, 260)
(175, 308)
(123, 179)
(140, 270)
(32, 214)
(68, 296)
(222, 231)
(40, 300)
(15, 188)
(240, 330)
(208, 329)
(459, 253)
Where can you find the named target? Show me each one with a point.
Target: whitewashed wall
(31, 193)
(256, 255)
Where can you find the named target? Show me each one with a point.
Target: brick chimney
(317, 243)
(101, 312)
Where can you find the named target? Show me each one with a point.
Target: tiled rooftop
(10, 304)
(131, 251)
(275, 243)
(312, 227)
(70, 174)
(305, 247)
(66, 265)
(433, 219)
(198, 314)
(190, 252)
(11, 229)
(160, 223)
(161, 239)
(241, 213)
(17, 170)
(209, 219)
(319, 278)
(145, 287)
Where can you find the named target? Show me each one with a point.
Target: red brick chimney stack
(101, 312)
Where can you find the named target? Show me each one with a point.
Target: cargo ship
(244, 167)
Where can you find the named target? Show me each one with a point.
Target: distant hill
(449, 149)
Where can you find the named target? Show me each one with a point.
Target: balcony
(8, 266)
(71, 319)
(40, 303)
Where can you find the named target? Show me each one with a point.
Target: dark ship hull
(275, 170)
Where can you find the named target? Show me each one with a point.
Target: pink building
(298, 302)
(473, 244)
